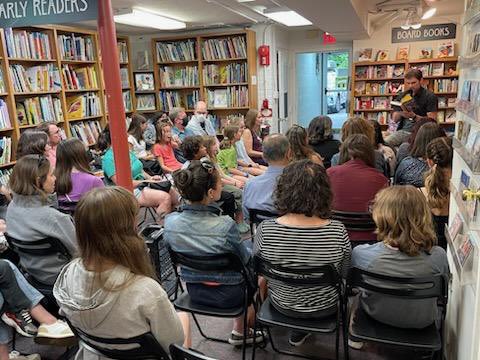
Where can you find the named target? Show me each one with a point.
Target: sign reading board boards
(425, 33)
(17, 13)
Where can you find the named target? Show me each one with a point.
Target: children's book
(365, 54)
(359, 87)
(446, 49)
(456, 226)
(398, 71)
(425, 53)
(438, 69)
(406, 103)
(144, 82)
(382, 55)
(402, 52)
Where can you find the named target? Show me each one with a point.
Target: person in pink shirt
(54, 138)
(163, 149)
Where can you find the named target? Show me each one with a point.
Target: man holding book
(414, 104)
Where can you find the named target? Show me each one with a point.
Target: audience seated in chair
(164, 148)
(31, 217)
(227, 156)
(251, 136)
(20, 302)
(406, 248)
(54, 138)
(299, 148)
(387, 151)
(33, 142)
(258, 192)
(199, 229)
(411, 170)
(110, 290)
(355, 182)
(72, 172)
(320, 138)
(303, 237)
(137, 144)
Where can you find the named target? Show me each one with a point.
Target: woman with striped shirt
(303, 236)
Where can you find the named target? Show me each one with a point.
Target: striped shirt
(303, 247)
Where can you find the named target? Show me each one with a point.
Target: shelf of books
(219, 69)
(463, 232)
(126, 75)
(47, 73)
(377, 83)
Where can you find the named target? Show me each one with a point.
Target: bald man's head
(201, 108)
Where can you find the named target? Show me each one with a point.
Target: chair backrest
(435, 286)
(315, 275)
(256, 216)
(67, 207)
(145, 346)
(355, 221)
(178, 352)
(42, 247)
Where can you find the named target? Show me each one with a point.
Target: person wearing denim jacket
(201, 229)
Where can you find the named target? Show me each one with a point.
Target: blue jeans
(29, 291)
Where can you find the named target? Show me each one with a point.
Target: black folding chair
(256, 216)
(365, 328)
(356, 221)
(268, 316)
(178, 352)
(212, 263)
(67, 207)
(146, 212)
(142, 347)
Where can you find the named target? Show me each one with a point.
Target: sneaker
(58, 333)
(21, 322)
(236, 338)
(16, 355)
(297, 338)
(357, 345)
(243, 228)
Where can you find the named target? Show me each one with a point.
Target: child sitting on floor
(227, 156)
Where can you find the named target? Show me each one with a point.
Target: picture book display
(446, 49)
(425, 53)
(382, 55)
(144, 81)
(402, 52)
(365, 54)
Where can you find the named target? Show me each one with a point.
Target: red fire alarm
(328, 39)
(264, 55)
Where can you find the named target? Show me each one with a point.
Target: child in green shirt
(227, 156)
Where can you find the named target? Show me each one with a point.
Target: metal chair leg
(204, 335)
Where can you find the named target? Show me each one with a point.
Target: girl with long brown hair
(110, 290)
(298, 139)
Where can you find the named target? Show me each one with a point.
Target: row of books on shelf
(83, 106)
(27, 44)
(225, 74)
(86, 131)
(382, 117)
(6, 146)
(178, 76)
(224, 48)
(39, 109)
(124, 77)
(220, 121)
(370, 103)
(122, 51)
(4, 116)
(127, 100)
(2, 83)
(471, 92)
(469, 137)
(75, 47)
(447, 116)
(5, 176)
(170, 99)
(444, 102)
(443, 85)
(79, 78)
(232, 96)
(378, 88)
(176, 51)
(437, 69)
(35, 78)
(372, 72)
(145, 102)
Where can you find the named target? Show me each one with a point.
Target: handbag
(152, 167)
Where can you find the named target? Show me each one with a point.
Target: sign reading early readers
(16, 13)
(425, 33)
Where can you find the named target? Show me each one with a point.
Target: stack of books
(82, 106)
(73, 47)
(176, 51)
(178, 77)
(4, 116)
(226, 48)
(35, 110)
(122, 51)
(86, 131)
(214, 74)
(79, 78)
(2, 83)
(27, 44)
(35, 78)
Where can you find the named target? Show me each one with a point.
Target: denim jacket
(200, 229)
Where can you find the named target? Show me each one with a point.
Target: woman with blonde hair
(439, 155)
(298, 139)
(251, 136)
(111, 290)
(358, 125)
(406, 248)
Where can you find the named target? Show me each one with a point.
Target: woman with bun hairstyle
(437, 184)
(200, 229)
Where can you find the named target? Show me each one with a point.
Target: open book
(406, 103)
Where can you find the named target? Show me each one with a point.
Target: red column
(113, 86)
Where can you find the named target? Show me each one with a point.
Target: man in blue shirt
(179, 119)
(258, 192)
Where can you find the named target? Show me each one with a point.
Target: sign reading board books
(18, 13)
(425, 33)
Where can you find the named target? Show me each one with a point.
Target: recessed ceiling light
(242, 1)
(287, 17)
(145, 18)
(429, 13)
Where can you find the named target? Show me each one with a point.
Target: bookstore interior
(237, 55)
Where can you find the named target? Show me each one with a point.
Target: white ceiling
(346, 19)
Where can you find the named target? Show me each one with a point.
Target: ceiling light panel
(287, 17)
(145, 18)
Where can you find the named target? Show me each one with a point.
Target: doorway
(322, 86)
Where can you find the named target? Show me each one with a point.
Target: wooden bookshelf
(380, 87)
(127, 64)
(247, 64)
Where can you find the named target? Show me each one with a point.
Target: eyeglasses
(207, 164)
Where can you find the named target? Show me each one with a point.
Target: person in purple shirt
(72, 171)
(258, 192)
